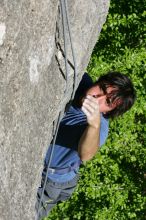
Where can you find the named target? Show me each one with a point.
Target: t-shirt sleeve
(104, 128)
(85, 83)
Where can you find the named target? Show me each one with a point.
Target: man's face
(104, 102)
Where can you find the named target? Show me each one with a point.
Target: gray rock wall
(32, 88)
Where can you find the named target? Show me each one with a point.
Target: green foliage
(112, 185)
(125, 28)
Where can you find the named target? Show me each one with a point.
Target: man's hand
(91, 109)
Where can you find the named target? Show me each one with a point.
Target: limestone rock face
(32, 85)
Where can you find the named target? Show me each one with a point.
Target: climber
(83, 129)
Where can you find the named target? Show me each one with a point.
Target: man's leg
(68, 188)
(49, 199)
(54, 193)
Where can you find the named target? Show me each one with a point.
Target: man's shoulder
(85, 82)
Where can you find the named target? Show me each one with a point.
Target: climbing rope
(72, 49)
(65, 24)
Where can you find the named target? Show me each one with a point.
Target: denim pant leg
(49, 199)
(54, 192)
(68, 189)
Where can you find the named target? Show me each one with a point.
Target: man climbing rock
(83, 129)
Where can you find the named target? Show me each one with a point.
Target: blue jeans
(54, 192)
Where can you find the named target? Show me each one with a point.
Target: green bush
(125, 28)
(112, 185)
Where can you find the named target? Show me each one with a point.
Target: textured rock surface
(32, 86)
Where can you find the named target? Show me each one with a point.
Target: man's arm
(89, 142)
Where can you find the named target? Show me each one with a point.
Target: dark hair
(124, 94)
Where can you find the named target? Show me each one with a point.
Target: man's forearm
(89, 143)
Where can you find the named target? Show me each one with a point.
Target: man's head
(115, 94)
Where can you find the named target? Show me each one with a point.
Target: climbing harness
(65, 25)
